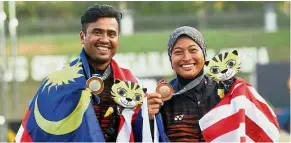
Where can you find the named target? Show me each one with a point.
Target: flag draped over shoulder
(61, 110)
(241, 116)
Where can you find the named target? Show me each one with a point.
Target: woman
(180, 114)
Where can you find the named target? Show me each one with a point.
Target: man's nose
(104, 38)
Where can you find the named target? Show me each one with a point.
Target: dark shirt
(182, 113)
(100, 109)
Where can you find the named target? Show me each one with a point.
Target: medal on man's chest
(95, 84)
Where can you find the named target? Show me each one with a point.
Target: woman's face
(187, 57)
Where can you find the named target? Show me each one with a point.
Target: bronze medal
(95, 84)
(166, 91)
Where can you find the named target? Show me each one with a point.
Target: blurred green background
(52, 28)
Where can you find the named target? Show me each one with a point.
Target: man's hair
(97, 11)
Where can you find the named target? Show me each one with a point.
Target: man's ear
(82, 37)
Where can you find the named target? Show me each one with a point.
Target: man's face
(101, 40)
(187, 58)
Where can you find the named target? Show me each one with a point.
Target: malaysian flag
(62, 110)
(241, 116)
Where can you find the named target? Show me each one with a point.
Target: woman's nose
(187, 56)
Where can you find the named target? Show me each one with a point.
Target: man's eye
(96, 32)
(112, 35)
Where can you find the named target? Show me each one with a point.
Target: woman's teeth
(187, 66)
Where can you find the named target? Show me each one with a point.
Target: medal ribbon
(190, 85)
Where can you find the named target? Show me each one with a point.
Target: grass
(277, 44)
(144, 42)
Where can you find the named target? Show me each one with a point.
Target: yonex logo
(179, 117)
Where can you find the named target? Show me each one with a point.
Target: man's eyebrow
(97, 29)
(110, 30)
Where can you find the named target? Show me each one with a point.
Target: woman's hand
(154, 103)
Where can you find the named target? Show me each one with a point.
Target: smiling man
(70, 105)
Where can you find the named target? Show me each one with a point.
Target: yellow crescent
(68, 124)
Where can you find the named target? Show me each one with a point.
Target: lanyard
(106, 73)
(190, 85)
(167, 92)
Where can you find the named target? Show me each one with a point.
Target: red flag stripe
(255, 132)
(253, 96)
(265, 108)
(254, 93)
(231, 137)
(24, 135)
(231, 127)
(239, 102)
(225, 125)
(260, 99)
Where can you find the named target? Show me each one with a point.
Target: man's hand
(154, 103)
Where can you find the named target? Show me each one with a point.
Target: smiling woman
(197, 92)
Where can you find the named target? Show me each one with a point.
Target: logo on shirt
(179, 117)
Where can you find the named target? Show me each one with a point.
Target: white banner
(42, 66)
(143, 65)
(21, 69)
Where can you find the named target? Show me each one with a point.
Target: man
(70, 105)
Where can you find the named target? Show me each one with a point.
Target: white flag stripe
(223, 111)
(146, 129)
(259, 97)
(232, 136)
(210, 118)
(249, 140)
(240, 102)
(242, 129)
(125, 131)
(261, 120)
(19, 134)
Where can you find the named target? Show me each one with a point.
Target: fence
(238, 20)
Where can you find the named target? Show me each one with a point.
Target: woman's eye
(193, 50)
(121, 91)
(177, 52)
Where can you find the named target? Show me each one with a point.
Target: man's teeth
(103, 48)
(187, 66)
